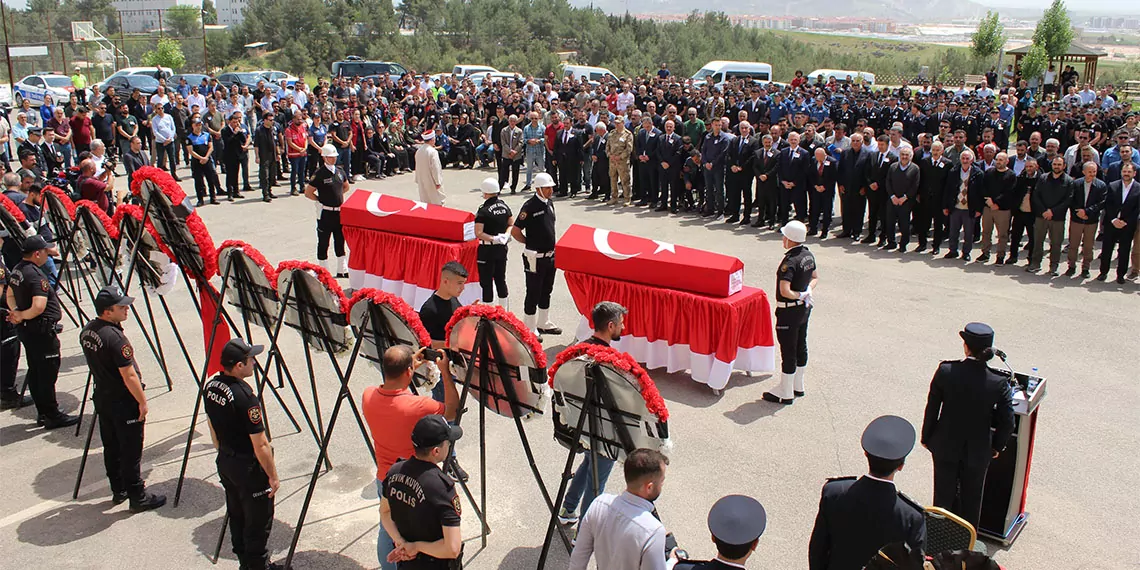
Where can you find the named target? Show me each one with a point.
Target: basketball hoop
(83, 31)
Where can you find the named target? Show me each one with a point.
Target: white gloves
(805, 296)
(501, 239)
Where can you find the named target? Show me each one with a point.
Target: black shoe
(921, 248)
(902, 249)
(513, 191)
(1011, 260)
(770, 397)
(456, 472)
(707, 213)
(199, 204)
(811, 232)
(1085, 274)
(890, 247)
(275, 566)
(554, 331)
(843, 235)
(1071, 271)
(950, 255)
(758, 223)
(147, 502)
(1031, 269)
(1102, 277)
(62, 420)
(266, 199)
(15, 402)
(1054, 271)
(983, 258)
(966, 257)
(745, 221)
(661, 208)
(935, 252)
(214, 201)
(231, 198)
(732, 220)
(798, 393)
(1120, 280)
(1000, 261)
(526, 188)
(868, 239)
(119, 498)
(238, 195)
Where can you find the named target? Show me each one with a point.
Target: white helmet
(490, 185)
(543, 180)
(328, 150)
(795, 230)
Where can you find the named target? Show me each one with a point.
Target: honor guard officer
(10, 398)
(858, 516)
(534, 228)
(794, 282)
(968, 421)
(736, 523)
(327, 188)
(34, 309)
(119, 398)
(492, 222)
(245, 458)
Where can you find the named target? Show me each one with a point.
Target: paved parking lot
(881, 324)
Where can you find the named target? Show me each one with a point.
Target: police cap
(110, 296)
(33, 244)
(978, 335)
(889, 437)
(236, 350)
(737, 519)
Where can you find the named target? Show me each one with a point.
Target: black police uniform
(9, 347)
(536, 220)
(40, 336)
(107, 349)
(330, 195)
(422, 501)
(969, 416)
(495, 216)
(792, 315)
(235, 414)
(734, 520)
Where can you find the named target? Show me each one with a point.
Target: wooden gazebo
(1076, 55)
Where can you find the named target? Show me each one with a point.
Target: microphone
(997, 352)
(992, 351)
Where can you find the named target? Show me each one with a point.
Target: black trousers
(854, 209)
(898, 216)
(646, 181)
(569, 177)
(328, 226)
(1023, 223)
(927, 221)
(738, 185)
(668, 186)
(548, 165)
(42, 350)
(1116, 239)
(492, 261)
(819, 213)
(958, 487)
(767, 201)
(791, 333)
(876, 213)
(601, 175)
(233, 165)
(376, 161)
(539, 283)
(9, 359)
(122, 435)
(205, 178)
(509, 170)
(266, 175)
(249, 505)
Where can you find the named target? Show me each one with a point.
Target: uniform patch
(128, 352)
(783, 267)
(522, 215)
(44, 285)
(254, 415)
(459, 508)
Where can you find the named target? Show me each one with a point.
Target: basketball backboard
(83, 31)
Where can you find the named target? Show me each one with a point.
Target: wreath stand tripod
(63, 225)
(598, 399)
(487, 352)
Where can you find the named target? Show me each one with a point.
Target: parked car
(192, 79)
(154, 72)
(5, 95)
(240, 78)
(275, 77)
(357, 66)
(125, 84)
(33, 88)
(468, 70)
(500, 77)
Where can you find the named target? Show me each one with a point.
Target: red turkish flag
(221, 331)
(394, 214)
(625, 257)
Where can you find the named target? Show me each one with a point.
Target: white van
(717, 73)
(841, 76)
(592, 74)
(462, 71)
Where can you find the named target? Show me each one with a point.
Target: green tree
(168, 53)
(209, 12)
(182, 21)
(989, 38)
(1034, 63)
(1054, 31)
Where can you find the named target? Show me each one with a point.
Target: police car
(33, 88)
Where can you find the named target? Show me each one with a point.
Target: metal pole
(205, 53)
(122, 44)
(7, 49)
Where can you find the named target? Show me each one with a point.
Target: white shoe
(783, 393)
(341, 267)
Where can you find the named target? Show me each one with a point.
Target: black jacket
(877, 170)
(1093, 202)
(671, 149)
(740, 155)
(793, 166)
(974, 199)
(933, 180)
(969, 412)
(856, 518)
(568, 151)
(1129, 211)
(1052, 194)
(828, 179)
(998, 186)
(765, 162)
(903, 182)
(853, 167)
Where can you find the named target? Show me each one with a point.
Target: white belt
(540, 254)
(788, 304)
(330, 208)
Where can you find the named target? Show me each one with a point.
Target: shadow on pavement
(69, 523)
(526, 557)
(749, 412)
(205, 539)
(198, 499)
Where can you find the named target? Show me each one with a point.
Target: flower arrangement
(497, 313)
(257, 257)
(398, 306)
(63, 198)
(194, 222)
(621, 361)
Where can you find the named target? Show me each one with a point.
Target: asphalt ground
(881, 324)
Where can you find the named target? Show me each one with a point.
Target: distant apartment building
(1113, 22)
(871, 25)
(230, 12)
(141, 16)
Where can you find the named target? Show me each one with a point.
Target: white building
(141, 16)
(230, 12)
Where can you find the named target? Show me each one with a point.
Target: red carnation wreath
(621, 361)
(497, 313)
(64, 199)
(398, 306)
(12, 208)
(124, 210)
(194, 222)
(112, 229)
(256, 256)
(322, 275)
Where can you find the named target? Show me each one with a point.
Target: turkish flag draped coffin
(372, 210)
(624, 257)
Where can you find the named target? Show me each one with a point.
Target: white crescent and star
(602, 243)
(662, 246)
(373, 206)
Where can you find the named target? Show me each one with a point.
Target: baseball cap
(236, 350)
(34, 244)
(110, 296)
(432, 430)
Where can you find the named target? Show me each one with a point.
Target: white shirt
(621, 533)
(624, 100)
(198, 100)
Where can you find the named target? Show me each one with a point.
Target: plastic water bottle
(1034, 373)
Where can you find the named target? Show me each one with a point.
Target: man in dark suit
(792, 174)
(857, 517)
(968, 421)
(736, 523)
(877, 170)
(903, 179)
(601, 170)
(1084, 217)
(765, 162)
(738, 177)
(933, 170)
(1121, 210)
(853, 165)
(1112, 173)
(821, 180)
(568, 154)
(644, 149)
(961, 203)
(670, 160)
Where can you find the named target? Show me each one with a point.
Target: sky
(1083, 5)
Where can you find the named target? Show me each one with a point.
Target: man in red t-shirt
(81, 130)
(392, 411)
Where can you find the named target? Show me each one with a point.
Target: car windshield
(58, 81)
(703, 73)
(143, 81)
